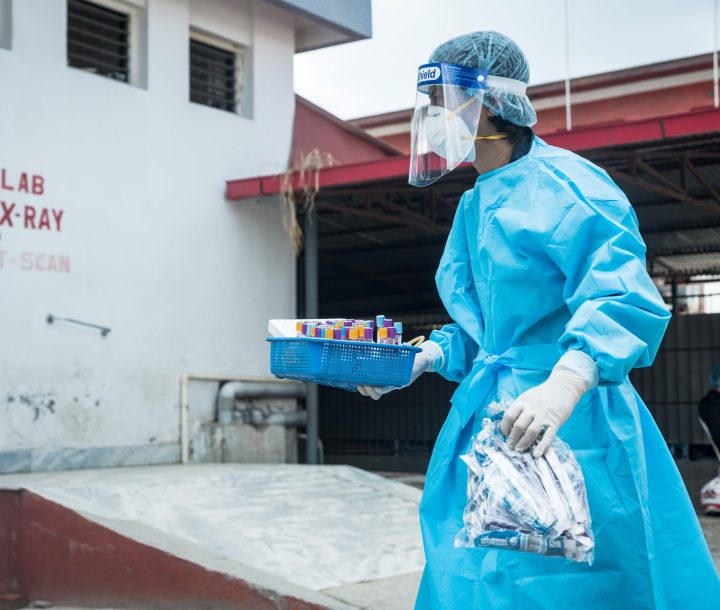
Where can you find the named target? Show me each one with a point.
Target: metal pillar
(568, 104)
(311, 311)
(716, 94)
(673, 295)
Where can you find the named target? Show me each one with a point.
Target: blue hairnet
(714, 377)
(500, 56)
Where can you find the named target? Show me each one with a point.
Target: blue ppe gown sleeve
(459, 341)
(458, 349)
(618, 318)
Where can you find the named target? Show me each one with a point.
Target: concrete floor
(695, 474)
(711, 529)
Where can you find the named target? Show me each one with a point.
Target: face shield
(444, 127)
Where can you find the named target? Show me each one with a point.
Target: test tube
(368, 332)
(398, 329)
(380, 321)
(382, 335)
(392, 335)
(337, 334)
(353, 334)
(329, 333)
(388, 322)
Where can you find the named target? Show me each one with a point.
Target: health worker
(544, 277)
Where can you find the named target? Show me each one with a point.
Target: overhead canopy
(380, 239)
(324, 23)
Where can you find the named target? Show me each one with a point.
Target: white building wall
(146, 243)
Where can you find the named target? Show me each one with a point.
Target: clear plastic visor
(443, 130)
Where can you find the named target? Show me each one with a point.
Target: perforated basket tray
(341, 364)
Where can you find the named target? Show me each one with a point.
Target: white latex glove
(547, 406)
(429, 359)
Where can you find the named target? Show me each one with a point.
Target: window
(98, 40)
(5, 24)
(214, 74)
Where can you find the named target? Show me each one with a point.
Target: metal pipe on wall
(311, 311)
(233, 390)
(185, 379)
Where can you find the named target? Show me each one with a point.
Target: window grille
(98, 40)
(213, 76)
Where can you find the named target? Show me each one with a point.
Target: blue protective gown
(544, 256)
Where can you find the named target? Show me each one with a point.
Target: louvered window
(98, 40)
(5, 23)
(213, 76)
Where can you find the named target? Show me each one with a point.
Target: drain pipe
(233, 390)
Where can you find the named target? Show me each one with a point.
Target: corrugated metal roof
(685, 241)
(692, 264)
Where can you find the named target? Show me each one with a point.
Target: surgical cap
(714, 377)
(500, 56)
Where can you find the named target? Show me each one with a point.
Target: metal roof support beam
(658, 176)
(687, 164)
(423, 220)
(674, 193)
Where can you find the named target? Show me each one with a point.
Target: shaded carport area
(378, 242)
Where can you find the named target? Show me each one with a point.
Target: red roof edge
(581, 139)
(349, 127)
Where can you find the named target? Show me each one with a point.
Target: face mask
(448, 136)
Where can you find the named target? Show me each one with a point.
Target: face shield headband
(444, 126)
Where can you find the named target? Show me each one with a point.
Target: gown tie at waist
(537, 357)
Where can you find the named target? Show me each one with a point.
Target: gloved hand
(547, 406)
(429, 359)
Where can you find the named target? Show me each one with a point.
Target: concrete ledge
(51, 552)
(74, 458)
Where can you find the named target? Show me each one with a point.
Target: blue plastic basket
(341, 364)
